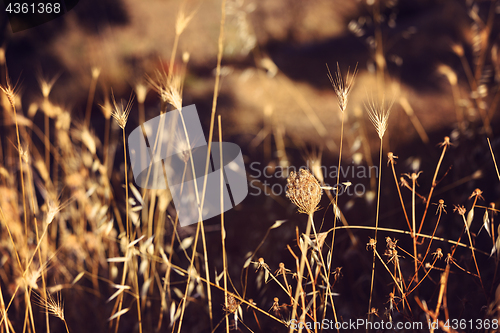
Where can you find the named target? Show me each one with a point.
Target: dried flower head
(414, 176)
(441, 206)
(438, 254)
(477, 193)
(342, 87)
(120, 112)
(371, 244)
(391, 158)
(379, 116)
(460, 209)
(232, 304)
(304, 191)
(446, 142)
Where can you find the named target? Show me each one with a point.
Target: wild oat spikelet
(342, 87)
(54, 306)
(120, 112)
(10, 91)
(169, 87)
(304, 190)
(379, 116)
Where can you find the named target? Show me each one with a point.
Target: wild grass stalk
(413, 178)
(222, 226)
(10, 91)
(54, 306)
(210, 137)
(26, 157)
(121, 114)
(304, 190)
(342, 88)
(379, 116)
(4, 312)
(493, 157)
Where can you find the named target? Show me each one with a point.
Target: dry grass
(74, 226)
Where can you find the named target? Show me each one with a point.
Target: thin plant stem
(445, 146)
(120, 297)
(493, 157)
(391, 160)
(9, 91)
(376, 226)
(414, 238)
(303, 259)
(222, 227)
(90, 99)
(428, 247)
(210, 137)
(47, 141)
(126, 184)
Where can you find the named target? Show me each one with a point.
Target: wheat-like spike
(54, 306)
(10, 90)
(169, 87)
(379, 116)
(342, 87)
(120, 112)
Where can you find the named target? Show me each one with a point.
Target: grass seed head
(120, 112)
(379, 116)
(169, 87)
(304, 190)
(10, 91)
(341, 86)
(54, 306)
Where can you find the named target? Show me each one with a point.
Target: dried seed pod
(304, 190)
